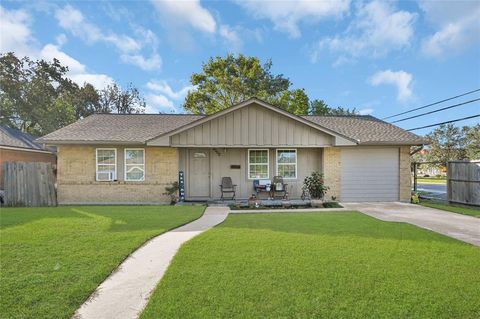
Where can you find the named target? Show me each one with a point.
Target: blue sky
(382, 57)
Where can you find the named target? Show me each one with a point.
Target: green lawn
(319, 265)
(52, 259)
(452, 208)
(428, 180)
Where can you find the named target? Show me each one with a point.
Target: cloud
(366, 111)
(376, 29)
(187, 12)
(163, 97)
(17, 38)
(77, 71)
(232, 37)
(15, 35)
(72, 20)
(286, 15)
(401, 79)
(458, 26)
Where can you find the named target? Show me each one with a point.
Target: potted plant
(172, 191)
(316, 188)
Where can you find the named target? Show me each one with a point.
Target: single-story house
(17, 146)
(130, 158)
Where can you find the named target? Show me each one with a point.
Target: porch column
(331, 171)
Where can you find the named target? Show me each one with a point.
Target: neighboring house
(111, 158)
(16, 146)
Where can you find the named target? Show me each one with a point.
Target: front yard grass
(427, 180)
(319, 265)
(52, 259)
(452, 208)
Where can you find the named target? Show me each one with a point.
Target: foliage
(53, 258)
(332, 205)
(315, 185)
(226, 81)
(318, 265)
(449, 143)
(172, 191)
(414, 199)
(320, 107)
(294, 101)
(37, 97)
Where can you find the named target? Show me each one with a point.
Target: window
(287, 163)
(134, 164)
(258, 164)
(106, 164)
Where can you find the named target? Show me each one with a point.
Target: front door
(199, 173)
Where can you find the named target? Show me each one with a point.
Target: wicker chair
(227, 187)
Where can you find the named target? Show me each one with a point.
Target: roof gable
(235, 121)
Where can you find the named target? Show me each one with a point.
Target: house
(112, 158)
(16, 146)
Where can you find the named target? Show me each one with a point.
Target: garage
(369, 174)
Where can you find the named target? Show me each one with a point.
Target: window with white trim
(287, 163)
(106, 159)
(134, 164)
(258, 164)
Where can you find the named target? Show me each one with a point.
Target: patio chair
(227, 187)
(279, 187)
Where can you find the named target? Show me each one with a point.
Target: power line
(431, 104)
(463, 118)
(435, 111)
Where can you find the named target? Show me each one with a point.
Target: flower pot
(316, 202)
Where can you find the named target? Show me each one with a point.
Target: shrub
(332, 205)
(314, 184)
(172, 191)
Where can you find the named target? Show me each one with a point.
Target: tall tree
(226, 81)
(319, 107)
(127, 101)
(446, 144)
(294, 101)
(471, 141)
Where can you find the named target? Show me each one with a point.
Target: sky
(381, 57)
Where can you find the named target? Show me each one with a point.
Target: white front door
(199, 173)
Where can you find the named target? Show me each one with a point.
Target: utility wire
(463, 118)
(435, 111)
(422, 107)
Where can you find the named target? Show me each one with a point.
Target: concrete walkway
(125, 292)
(461, 227)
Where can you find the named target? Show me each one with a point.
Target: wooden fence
(29, 184)
(463, 182)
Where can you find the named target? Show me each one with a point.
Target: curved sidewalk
(125, 292)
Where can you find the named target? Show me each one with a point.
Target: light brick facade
(405, 174)
(331, 171)
(76, 182)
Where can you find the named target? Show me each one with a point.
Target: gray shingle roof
(14, 138)
(138, 128)
(367, 129)
(119, 128)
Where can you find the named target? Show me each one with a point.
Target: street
(438, 191)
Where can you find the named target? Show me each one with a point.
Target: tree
(114, 99)
(294, 101)
(319, 107)
(471, 141)
(446, 144)
(227, 81)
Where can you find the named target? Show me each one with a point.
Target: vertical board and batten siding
(252, 126)
(29, 184)
(221, 161)
(463, 182)
(369, 174)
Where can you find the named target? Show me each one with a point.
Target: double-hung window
(134, 164)
(287, 163)
(258, 164)
(106, 159)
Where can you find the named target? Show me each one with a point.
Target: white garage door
(370, 174)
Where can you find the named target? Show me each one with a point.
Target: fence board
(29, 184)
(463, 182)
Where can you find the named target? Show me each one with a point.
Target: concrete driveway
(461, 227)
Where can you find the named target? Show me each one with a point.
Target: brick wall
(405, 175)
(77, 184)
(7, 155)
(331, 171)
